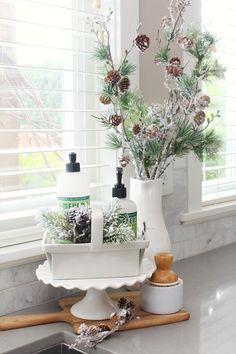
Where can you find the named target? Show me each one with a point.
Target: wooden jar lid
(163, 274)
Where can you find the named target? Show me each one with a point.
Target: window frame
(28, 237)
(199, 211)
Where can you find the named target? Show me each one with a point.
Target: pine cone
(142, 42)
(113, 76)
(162, 135)
(203, 101)
(136, 129)
(175, 61)
(82, 329)
(124, 84)
(105, 99)
(71, 214)
(78, 214)
(188, 105)
(103, 328)
(166, 21)
(199, 117)
(115, 119)
(124, 160)
(152, 131)
(124, 303)
(185, 42)
(82, 219)
(180, 5)
(114, 317)
(174, 67)
(92, 330)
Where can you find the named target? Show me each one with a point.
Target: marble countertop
(209, 296)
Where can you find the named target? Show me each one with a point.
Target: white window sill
(209, 212)
(21, 254)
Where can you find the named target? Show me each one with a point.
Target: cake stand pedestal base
(96, 305)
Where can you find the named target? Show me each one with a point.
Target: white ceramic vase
(148, 198)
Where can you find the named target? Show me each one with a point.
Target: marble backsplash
(190, 240)
(19, 288)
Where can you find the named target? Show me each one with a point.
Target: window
(219, 177)
(49, 90)
(212, 185)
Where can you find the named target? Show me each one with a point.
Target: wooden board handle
(13, 322)
(152, 320)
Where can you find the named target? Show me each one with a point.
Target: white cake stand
(96, 305)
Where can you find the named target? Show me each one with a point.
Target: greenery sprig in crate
(74, 225)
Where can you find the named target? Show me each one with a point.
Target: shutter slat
(40, 191)
(42, 47)
(45, 170)
(30, 67)
(215, 168)
(214, 184)
(24, 193)
(10, 89)
(48, 149)
(15, 22)
(28, 109)
(50, 130)
(82, 13)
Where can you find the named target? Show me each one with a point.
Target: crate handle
(97, 228)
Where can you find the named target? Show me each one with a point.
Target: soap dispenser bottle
(72, 185)
(128, 208)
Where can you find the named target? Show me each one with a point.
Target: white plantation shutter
(219, 177)
(48, 92)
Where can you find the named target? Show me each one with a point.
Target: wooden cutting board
(142, 319)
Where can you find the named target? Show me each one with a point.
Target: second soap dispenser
(127, 207)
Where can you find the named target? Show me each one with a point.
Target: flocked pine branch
(91, 335)
(127, 68)
(114, 140)
(74, 224)
(152, 137)
(115, 231)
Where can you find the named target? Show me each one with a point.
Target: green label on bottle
(71, 202)
(131, 218)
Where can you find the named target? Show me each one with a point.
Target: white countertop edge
(208, 213)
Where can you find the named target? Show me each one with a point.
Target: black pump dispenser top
(72, 166)
(119, 189)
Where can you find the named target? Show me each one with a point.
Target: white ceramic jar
(162, 299)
